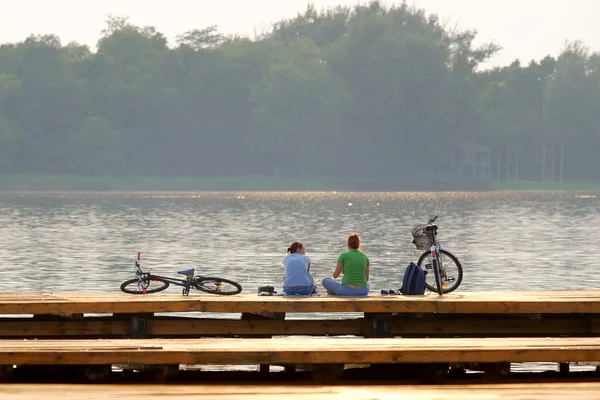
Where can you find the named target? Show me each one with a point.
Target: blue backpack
(414, 280)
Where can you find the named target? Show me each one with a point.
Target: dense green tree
(368, 91)
(297, 105)
(572, 110)
(96, 148)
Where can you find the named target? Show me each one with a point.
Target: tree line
(367, 91)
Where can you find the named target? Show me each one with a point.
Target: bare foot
(330, 292)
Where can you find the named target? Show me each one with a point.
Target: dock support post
(380, 328)
(139, 330)
(563, 368)
(6, 372)
(323, 373)
(263, 368)
(380, 324)
(139, 325)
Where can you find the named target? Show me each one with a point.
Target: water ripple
(87, 241)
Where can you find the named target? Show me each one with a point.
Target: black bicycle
(146, 283)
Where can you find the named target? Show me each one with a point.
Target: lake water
(87, 241)
(82, 242)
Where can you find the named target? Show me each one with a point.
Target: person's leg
(290, 291)
(298, 291)
(353, 292)
(331, 285)
(314, 287)
(342, 290)
(364, 291)
(305, 291)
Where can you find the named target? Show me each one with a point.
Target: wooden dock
(459, 328)
(533, 302)
(487, 314)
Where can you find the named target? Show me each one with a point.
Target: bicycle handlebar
(432, 220)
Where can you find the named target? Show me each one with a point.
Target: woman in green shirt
(354, 265)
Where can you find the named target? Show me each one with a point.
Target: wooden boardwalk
(547, 313)
(539, 302)
(469, 327)
(528, 391)
(281, 351)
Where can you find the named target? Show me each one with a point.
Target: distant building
(472, 162)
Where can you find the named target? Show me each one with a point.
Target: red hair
(354, 241)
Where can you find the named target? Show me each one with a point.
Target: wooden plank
(484, 326)
(523, 391)
(281, 351)
(543, 302)
(363, 327)
(182, 327)
(33, 328)
(202, 326)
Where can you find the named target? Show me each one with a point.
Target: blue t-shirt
(296, 270)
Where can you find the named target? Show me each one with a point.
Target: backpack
(414, 280)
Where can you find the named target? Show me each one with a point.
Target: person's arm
(308, 269)
(368, 273)
(338, 269)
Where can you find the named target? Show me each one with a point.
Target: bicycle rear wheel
(144, 285)
(221, 286)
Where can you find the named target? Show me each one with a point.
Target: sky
(525, 29)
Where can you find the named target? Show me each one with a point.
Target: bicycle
(143, 280)
(436, 258)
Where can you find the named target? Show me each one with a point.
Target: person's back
(355, 267)
(296, 270)
(298, 280)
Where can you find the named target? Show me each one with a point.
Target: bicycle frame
(437, 263)
(142, 276)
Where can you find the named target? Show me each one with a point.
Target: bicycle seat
(430, 228)
(187, 272)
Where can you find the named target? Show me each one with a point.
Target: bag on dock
(266, 289)
(414, 280)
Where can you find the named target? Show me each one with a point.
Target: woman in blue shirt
(298, 280)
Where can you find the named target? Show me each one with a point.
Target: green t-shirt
(355, 267)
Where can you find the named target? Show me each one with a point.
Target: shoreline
(45, 183)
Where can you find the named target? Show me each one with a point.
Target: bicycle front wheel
(452, 273)
(144, 285)
(224, 287)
